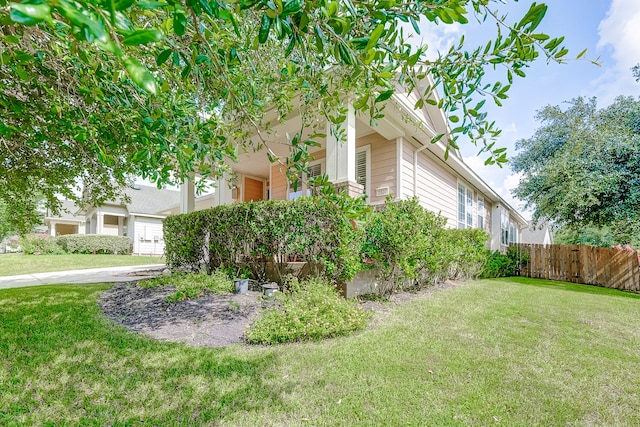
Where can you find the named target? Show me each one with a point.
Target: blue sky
(609, 29)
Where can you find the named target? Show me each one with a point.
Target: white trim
(367, 150)
(467, 189)
(138, 214)
(484, 212)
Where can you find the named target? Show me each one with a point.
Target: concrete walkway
(92, 275)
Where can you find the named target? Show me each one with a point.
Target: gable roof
(537, 234)
(68, 210)
(150, 200)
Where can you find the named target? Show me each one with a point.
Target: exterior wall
(437, 187)
(147, 235)
(278, 183)
(407, 168)
(383, 165)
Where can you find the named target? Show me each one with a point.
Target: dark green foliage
(40, 244)
(409, 245)
(312, 230)
(312, 310)
(592, 236)
(503, 264)
(94, 244)
(192, 285)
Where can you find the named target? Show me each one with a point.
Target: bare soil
(212, 320)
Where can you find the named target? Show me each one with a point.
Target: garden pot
(242, 286)
(269, 289)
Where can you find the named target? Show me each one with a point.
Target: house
(537, 234)
(393, 158)
(69, 221)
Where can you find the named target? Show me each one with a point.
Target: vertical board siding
(148, 236)
(590, 265)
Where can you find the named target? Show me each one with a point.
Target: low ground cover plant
(310, 310)
(192, 285)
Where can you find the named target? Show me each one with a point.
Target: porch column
(223, 194)
(187, 197)
(100, 224)
(120, 226)
(496, 229)
(341, 155)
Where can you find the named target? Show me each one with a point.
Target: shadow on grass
(567, 286)
(64, 362)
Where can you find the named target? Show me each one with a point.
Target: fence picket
(608, 267)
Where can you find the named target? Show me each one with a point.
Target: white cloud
(619, 34)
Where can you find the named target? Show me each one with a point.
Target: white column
(52, 226)
(223, 193)
(100, 224)
(120, 226)
(187, 197)
(341, 154)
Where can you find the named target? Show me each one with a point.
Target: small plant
(311, 310)
(192, 285)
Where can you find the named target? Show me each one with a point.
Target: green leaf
(385, 95)
(179, 23)
(142, 37)
(163, 57)
(37, 12)
(265, 26)
(140, 75)
(375, 35)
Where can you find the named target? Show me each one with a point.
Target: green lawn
(513, 352)
(14, 264)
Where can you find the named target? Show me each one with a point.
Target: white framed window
(316, 168)
(480, 213)
(504, 227)
(512, 237)
(363, 167)
(465, 206)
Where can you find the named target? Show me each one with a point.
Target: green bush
(308, 229)
(503, 265)
(94, 244)
(40, 244)
(409, 245)
(192, 285)
(311, 310)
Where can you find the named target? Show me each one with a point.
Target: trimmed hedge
(94, 244)
(308, 229)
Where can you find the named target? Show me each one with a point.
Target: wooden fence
(608, 267)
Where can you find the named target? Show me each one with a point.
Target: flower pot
(242, 286)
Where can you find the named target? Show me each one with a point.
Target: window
(465, 207)
(504, 227)
(303, 188)
(481, 213)
(362, 167)
(512, 232)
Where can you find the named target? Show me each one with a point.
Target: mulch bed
(212, 320)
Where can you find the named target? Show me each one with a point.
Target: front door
(253, 189)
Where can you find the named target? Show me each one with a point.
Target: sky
(609, 29)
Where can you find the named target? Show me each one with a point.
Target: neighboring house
(393, 158)
(69, 221)
(537, 234)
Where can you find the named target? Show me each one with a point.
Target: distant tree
(636, 72)
(592, 236)
(582, 166)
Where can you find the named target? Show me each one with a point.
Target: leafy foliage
(409, 244)
(592, 236)
(192, 285)
(40, 244)
(94, 244)
(166, 90)
(582, 166)
(312, 310)
(313, 230)
(503, 264)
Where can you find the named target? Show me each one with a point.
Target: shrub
(503, 265)
(192, 285)
(409, 245)
(312, 310)
(40, 244)
(308, 229)
(94, 244)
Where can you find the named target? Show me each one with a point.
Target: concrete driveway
(92, 275)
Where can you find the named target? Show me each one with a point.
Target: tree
(636, 72)
(582, 166)
(102, 90)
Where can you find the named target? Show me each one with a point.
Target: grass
(516, 352)
(192, 285)
(15, 264)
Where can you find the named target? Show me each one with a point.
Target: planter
(269, 289)
(242, 286)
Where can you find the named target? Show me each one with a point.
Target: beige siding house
(393, 158)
